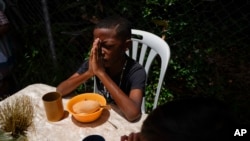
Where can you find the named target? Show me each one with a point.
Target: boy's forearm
(72, 83)
(126, 105)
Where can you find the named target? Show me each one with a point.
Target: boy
(119, 78)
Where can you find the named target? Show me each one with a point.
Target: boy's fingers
(124, 138)
(99, 48)
(94, 47)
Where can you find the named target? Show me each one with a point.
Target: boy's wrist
(88, 74)
(100, 74)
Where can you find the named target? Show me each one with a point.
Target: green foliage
(6, 136)
(152, 84)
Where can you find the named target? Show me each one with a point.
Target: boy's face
(113, 48)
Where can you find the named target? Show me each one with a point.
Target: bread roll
(86, 106)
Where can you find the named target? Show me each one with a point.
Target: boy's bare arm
(72, 83)
(129, 105)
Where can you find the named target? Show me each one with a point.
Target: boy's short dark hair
(121, 25)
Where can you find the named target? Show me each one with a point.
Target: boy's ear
(128, 44)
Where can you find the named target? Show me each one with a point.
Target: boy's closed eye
(106, 46)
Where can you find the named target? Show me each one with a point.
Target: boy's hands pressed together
(95, 62)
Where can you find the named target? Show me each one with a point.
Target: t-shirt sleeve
(84, 67)
(138, 79)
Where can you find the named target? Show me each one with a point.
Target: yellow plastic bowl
(86, 96)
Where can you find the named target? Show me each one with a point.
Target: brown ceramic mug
(53, 106)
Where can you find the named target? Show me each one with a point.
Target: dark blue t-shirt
(134, 77)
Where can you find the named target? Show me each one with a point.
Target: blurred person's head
(194, 119)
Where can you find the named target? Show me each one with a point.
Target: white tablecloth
(110, 125)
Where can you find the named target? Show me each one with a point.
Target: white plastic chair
(145, 47)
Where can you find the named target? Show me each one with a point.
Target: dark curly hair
(120, 24)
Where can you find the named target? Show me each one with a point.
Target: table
(110, 125)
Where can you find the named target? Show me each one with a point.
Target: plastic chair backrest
(145, 47)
